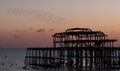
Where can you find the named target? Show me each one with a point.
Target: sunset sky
(31, 23)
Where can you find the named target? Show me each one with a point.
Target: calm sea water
(12, 59)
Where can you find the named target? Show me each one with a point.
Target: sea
(12, 59)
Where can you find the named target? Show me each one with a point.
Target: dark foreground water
(12, 59)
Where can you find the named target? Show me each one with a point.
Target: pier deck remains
(78, 48)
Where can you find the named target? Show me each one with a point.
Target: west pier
(76, 48)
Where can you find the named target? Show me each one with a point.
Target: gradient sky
(29, 23)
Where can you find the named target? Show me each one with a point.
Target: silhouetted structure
(82, 37)
(76, 47)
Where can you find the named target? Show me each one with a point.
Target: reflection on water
(13, 60)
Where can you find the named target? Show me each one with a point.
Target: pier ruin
(76, 48)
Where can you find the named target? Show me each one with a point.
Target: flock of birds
(39, 15)
(14, 35)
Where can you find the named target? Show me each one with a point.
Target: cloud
(40, 30)
(40, 15)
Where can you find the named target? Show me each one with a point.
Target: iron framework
(76, 47)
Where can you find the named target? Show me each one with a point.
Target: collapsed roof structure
(82, 37)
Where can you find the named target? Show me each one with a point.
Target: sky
(31, 23)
